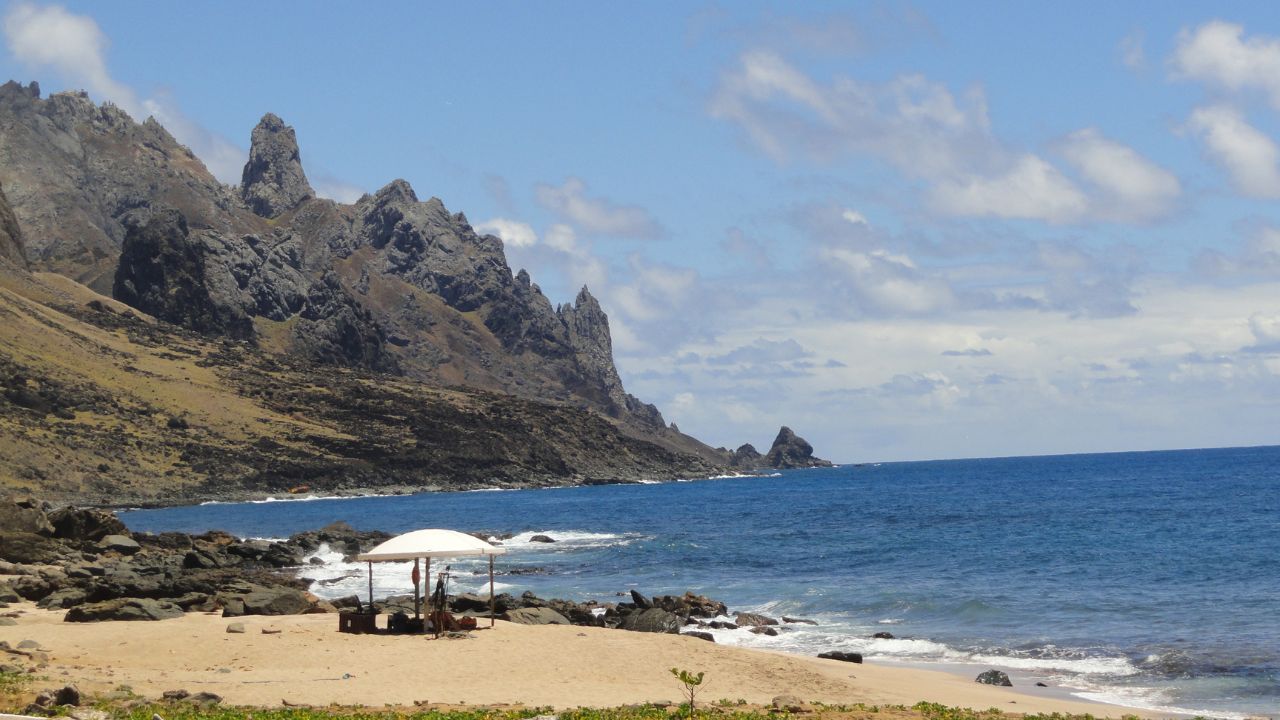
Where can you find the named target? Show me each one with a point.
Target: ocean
(1146, 579)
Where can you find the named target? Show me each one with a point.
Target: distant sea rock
(789, 451)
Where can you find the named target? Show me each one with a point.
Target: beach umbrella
(426, 544)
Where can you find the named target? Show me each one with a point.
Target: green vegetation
(13, 683)
(692, 683)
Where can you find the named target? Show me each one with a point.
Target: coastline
(307, 662)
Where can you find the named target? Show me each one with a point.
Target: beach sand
(309, 662)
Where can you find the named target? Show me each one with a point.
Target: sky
(906, 230)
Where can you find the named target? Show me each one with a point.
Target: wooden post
(417, 603)
(371, 587)
(492, 606)
(430, 611)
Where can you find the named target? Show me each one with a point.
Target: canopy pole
(417, 603)
(430, 610)
(492, 606)
(370, 586)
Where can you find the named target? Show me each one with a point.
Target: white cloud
(1031, 188)
(513, 232)
(595, 214)
(917, 125)
(336, 190)
(562, 237)
(1132, 187)
(1249, 156)
(854, 217)
(926, 131)
(886, 283)
(1265, 329)
(75, 47)
(1217, 54)
(72, 44)
(1132, 53)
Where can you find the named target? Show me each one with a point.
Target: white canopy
(429, 543)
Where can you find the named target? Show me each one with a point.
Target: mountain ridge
(389, 286)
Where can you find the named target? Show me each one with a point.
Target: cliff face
(72, 169)
(11, 243)
(389, 284)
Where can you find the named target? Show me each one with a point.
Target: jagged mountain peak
(273, 181)
(398, 190)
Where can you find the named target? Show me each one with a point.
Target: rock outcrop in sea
(788, 452)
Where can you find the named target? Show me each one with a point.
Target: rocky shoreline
(87, 562)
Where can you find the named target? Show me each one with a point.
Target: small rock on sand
(236, 627)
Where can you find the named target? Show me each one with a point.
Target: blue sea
(1147, 579)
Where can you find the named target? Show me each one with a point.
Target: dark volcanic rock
(71, 169)
(791, 451)
(124, 609)
(85, 524)
(842, 656)
(754, 620)
(654, 620)
(29, 548)
(994, 677)
(11, 243)
(746, 456)
(535, 616)
(273, 181)
(24, 514)
(162, 272)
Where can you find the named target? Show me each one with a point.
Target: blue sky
(907, 231)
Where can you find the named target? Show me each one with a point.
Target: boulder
(842, 656)
(24, 514)
(994, 677)
(883, 636)
(655, 620)
(119, 543)
(690, 605)
(640, 600)
(124, 609)
(753, 620)
(788, 704)
(68, 695)
(85, 525)
(29, 548)
(271, 601)
(798, 621)
(61, 599)
(700, 634)
(764, 630)
(468, 602)
(542, 539)
(535, 616)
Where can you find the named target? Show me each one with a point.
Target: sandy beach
(304, 660)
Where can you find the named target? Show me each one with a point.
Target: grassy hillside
(103, 405)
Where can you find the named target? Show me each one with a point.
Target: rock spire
(273, 181)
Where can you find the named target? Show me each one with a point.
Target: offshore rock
(273, 181)
(792, 451)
